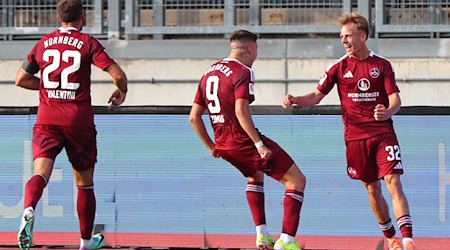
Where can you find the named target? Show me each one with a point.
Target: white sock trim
(406, 239)
(286, 238)
(43, 177)
(262, 229)
(85, 243)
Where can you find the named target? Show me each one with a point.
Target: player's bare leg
(377, 202)
(401, 209)
(380, 209)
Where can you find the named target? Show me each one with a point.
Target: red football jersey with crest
(361, 86)
(64, 58)
(222, 84)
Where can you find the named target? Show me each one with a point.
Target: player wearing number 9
(226, 91)
(65, 117)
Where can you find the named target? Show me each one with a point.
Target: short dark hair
(70, 10)
(243, 35)
(354, 17)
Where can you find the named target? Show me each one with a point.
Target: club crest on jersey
(351, 171)
(363, 84)
(251, 88)
(323, 78)
(374, 72)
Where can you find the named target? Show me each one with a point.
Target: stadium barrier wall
(167, 72)
(157, 186)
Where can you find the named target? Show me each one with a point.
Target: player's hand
(117, 98)
(288, 101)
(379, 113)
(265, 152)
(214, 153)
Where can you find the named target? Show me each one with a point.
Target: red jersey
(361, 86)
(221, 85)
(64, 58)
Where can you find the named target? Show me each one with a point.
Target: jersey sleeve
(389, 79)
(244, 87)
(30, 65)
(100, 57)
(328, 79)
(199, 97)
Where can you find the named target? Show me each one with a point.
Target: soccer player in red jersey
(369, 97)
(65, 117)
(226, 91)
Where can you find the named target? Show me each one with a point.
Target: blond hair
(357, 19)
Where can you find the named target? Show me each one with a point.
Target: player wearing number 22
(65, 117)
(226, 91)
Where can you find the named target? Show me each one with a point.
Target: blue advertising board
(153, 175)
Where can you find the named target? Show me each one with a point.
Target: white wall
(283, 66)
(144, 92)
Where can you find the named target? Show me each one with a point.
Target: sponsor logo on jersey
(363, 84)
(348, 74)
(251, 88)
(364, 97)
(374, 72)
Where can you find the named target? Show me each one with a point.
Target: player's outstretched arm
(307, 100)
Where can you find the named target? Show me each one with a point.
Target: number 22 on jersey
(57, 57)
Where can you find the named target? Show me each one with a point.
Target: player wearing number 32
(65, 117)
(226, 90)
(369, 98)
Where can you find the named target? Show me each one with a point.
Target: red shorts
(371, 159)
(247, 160)
(80, 144)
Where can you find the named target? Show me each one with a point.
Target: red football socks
(33, 190)
(255, 199)
(86, 210)
(292, 204)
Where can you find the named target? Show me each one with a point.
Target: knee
(301, 180)
(298, 182)
(394, 185)
(374, 189)
(392, 180)
(258, 177)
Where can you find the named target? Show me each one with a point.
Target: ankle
(286, 238)
(262, 229)
(85, 243)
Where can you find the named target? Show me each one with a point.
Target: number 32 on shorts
(394, 153)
